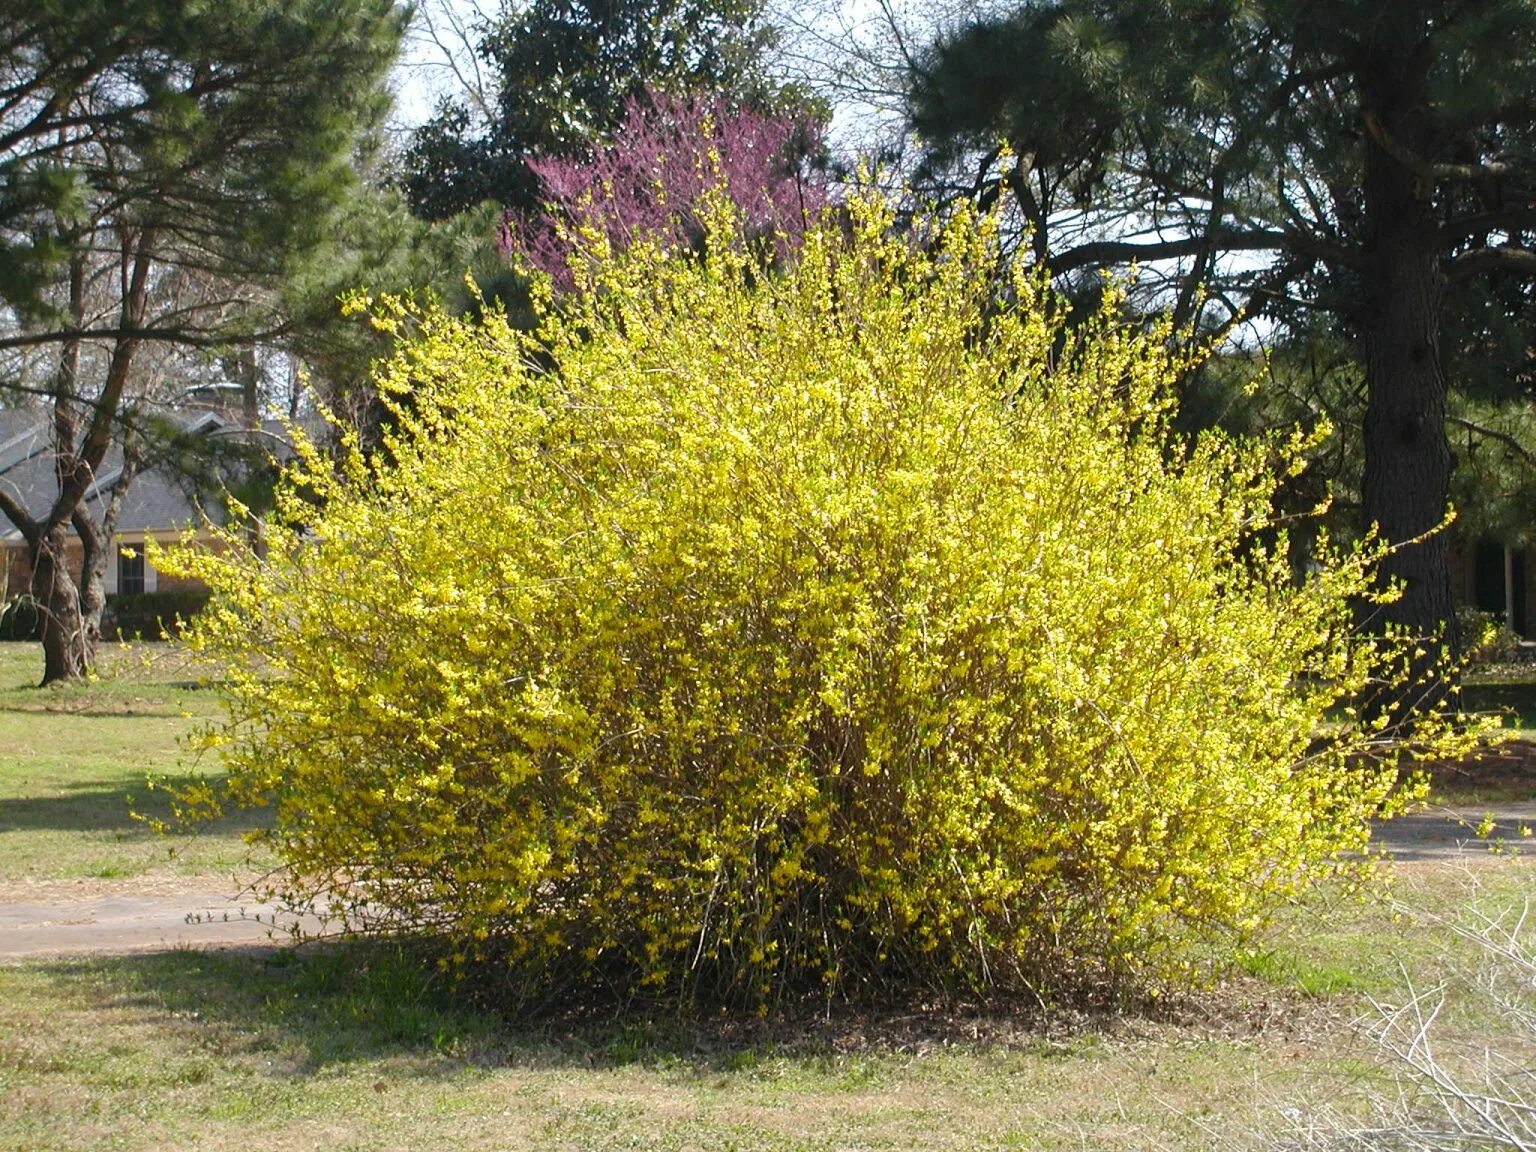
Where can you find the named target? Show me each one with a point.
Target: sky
(843, 48)
(422, 74)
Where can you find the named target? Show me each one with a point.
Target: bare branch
(1503, 438)
(1504, 258)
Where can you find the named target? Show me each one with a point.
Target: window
(1499, 583)
(130, 571)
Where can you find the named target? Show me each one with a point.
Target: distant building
(1495, 579)
(157, 506)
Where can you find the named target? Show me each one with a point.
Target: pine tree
(159, 164)
(1364, 160)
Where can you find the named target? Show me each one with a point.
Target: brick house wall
(18, 568)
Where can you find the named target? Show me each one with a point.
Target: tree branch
(1514, 218)
(1503, 438)
(1505, 258)
(1430, 170)
(18, 515)
(76, 479)
(1109, 252)
(182, 336)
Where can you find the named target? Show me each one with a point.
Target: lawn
(347, 1049)
(73, 765)
(363, 1046)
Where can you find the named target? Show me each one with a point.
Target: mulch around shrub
(1507, 771)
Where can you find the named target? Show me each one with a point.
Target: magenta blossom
(650, 180)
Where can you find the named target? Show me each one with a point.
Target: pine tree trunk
(1407, 457)
(67, 646)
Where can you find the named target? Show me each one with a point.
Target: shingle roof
(22, 434)
(155, 501)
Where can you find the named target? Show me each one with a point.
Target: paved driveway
(1442, 833)
(126, 923)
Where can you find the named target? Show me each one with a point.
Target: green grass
(1374, 942)
(73, 765)
(358, 1047)
(366, 1046)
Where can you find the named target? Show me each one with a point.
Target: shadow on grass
(339, 1002)
(104, 806)
(126, 685)
(109, 699)
(138, 711)
(332, 1004)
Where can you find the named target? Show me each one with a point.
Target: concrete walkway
(127, 923)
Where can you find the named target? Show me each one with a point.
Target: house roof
(157, 500)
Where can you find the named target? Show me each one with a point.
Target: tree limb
(1503, 438)
(1505, 258)
(17, 514)
(1110, 252)
(182, 336)
(1514, 218)
(1430, 170)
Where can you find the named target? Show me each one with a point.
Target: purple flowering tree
(650, 180)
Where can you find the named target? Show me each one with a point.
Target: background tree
(159, 164)
(374, 247)
(560, 74)
(1364, 161)
(653, 177)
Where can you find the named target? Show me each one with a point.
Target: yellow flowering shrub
(738, 633)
